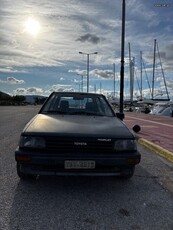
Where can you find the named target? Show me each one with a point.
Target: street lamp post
(88, 54)
(122, 59)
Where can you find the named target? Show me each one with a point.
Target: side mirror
(136, 128)
(121, 116)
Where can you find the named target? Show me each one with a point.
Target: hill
(4, 95)
(6, 99)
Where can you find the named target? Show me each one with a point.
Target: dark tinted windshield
(77, 104)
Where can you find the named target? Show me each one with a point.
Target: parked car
(76, 134)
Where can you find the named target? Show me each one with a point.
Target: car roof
(78, 93)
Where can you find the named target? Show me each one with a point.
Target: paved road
(144, 202)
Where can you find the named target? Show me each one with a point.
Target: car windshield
(78, 104)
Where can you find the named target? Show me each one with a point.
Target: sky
(40, 43)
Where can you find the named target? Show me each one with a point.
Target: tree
(18, 99)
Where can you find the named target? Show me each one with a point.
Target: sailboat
(154, 99)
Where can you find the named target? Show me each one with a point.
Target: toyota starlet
(76, 134)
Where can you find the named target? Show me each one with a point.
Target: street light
(88, 54)
(122, 58)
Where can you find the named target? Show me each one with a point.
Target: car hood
(69, 125)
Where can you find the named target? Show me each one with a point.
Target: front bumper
(53, 164)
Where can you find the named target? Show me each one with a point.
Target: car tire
(23, 176)
(127, 173)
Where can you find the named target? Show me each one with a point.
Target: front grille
(78, 145)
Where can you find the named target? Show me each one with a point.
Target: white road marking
(149, 126)
(155, 122)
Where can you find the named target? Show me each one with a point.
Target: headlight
(125, 145)
(31, 142)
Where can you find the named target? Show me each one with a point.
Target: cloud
(47, 92)
(107, 74)
(34, 90)
(12, 81)
(169, 84)
(65, 90)
(78, 72)
(59, 88)
(10, 69)
(20, 90)
(30, 90)
(89, 38)
(169, 52)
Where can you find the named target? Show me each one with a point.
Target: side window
(51, 103)
(104, 107)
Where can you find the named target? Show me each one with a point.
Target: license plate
(79, 164)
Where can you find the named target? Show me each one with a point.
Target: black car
(76, 134)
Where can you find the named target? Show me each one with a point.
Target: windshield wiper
(74, 113)
(57, 112)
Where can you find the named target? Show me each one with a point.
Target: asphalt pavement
(91, 203)
(156, 132)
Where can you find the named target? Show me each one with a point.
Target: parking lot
(144, 202)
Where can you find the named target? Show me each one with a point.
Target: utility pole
(122, 60)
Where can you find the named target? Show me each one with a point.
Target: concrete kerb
(156, 148)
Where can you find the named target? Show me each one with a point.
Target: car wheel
(24, 176)
(127, 173)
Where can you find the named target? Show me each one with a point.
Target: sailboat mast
(154, 63)
(163, 73)
(147, 77)
(141, 74)
(131, 66)
(114, 77)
